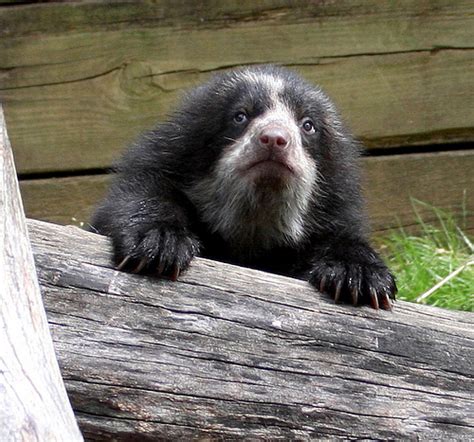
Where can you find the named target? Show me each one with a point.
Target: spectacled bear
(254, 168)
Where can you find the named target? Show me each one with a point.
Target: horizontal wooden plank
(442, 179)
(439, 22)
(63, 200)
(397, 99)
(74, 96)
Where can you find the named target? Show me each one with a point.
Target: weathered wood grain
(443, 179)
(434, 21)
(68, 200)
(231, 353)
(397, 70)
(33, 401)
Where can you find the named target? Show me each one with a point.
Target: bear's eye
(308, 126)
(240, 117)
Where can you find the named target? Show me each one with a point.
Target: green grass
(422, 261)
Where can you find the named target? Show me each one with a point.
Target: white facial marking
(269, 82)
(250, 216)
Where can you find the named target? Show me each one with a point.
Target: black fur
(156, 229)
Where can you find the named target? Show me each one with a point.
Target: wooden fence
(79, 80)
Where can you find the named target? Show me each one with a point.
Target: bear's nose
(274, 137)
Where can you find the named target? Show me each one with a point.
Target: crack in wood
(315, 62)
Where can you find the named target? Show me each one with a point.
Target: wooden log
(443, 179)
(397, 70)
(232, 353)
(33, 401)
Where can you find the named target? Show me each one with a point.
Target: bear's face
(263, 131)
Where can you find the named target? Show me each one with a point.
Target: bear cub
(254, 168)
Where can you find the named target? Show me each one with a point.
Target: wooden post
(33, 401)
